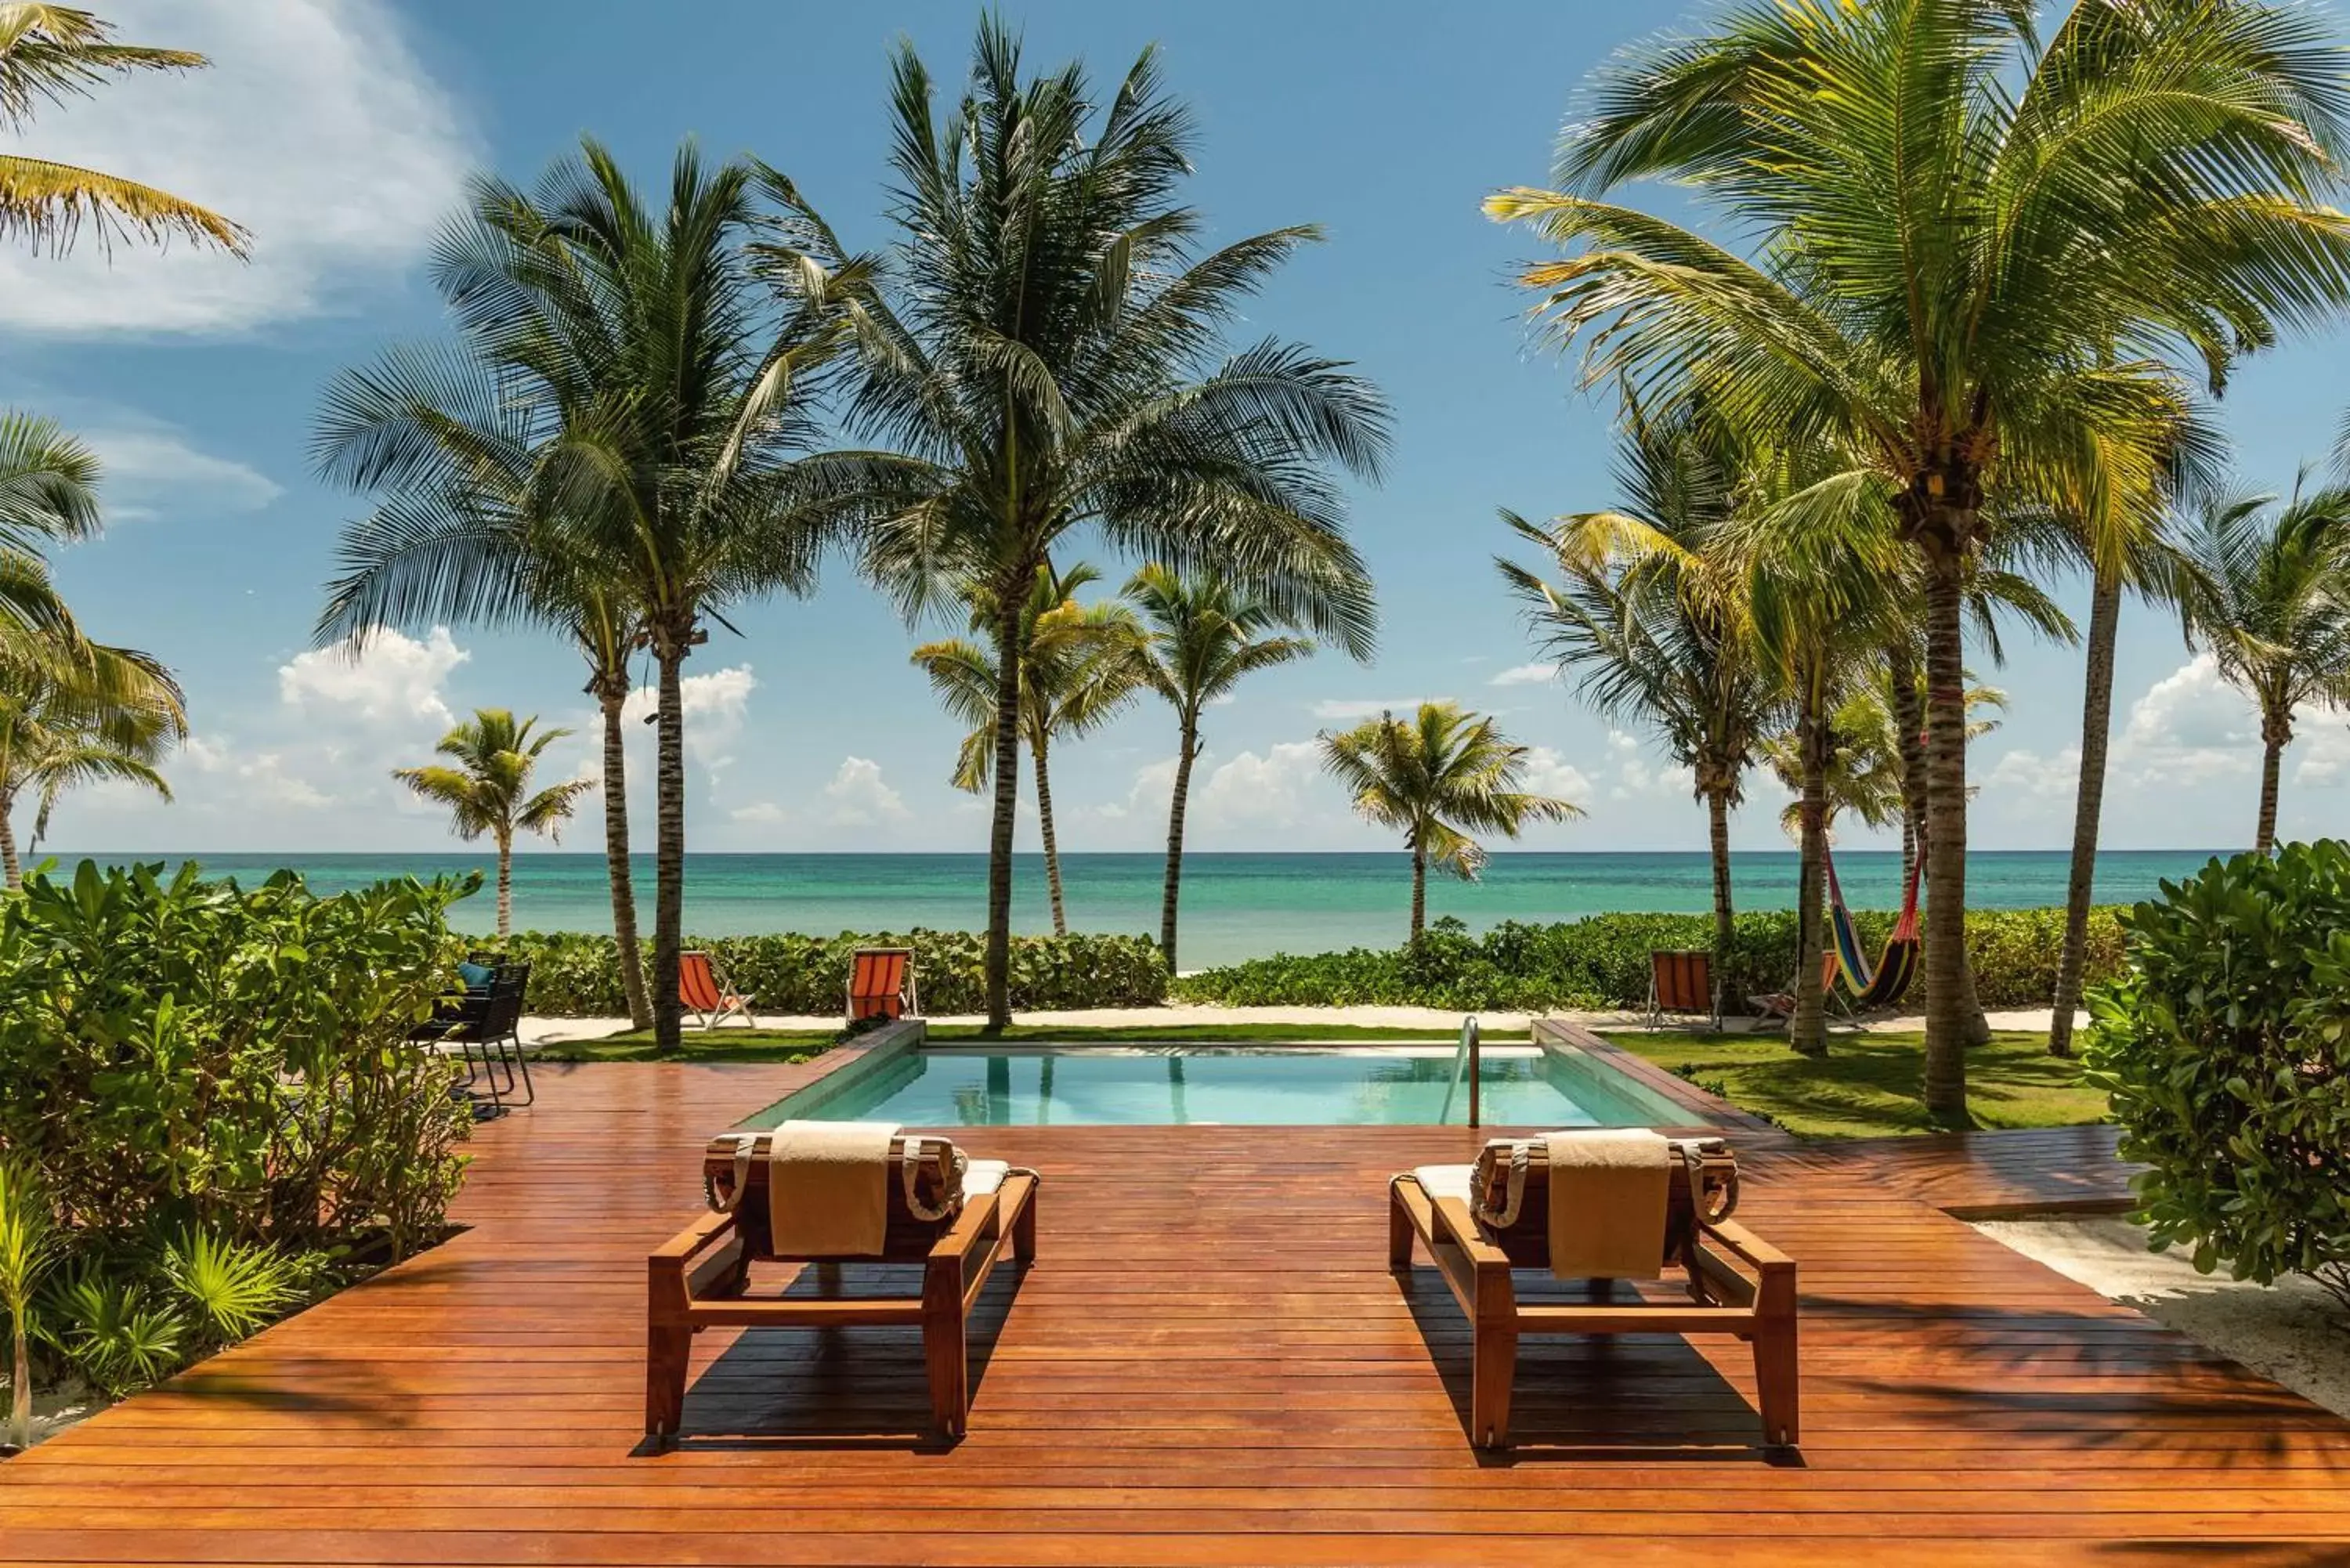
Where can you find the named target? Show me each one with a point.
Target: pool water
(1281, 1086)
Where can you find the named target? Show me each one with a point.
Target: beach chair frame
(714, 1001)
(865, 997)
(697, 1279)
(1675, 976)
(1738, 1284)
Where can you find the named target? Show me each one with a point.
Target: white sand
(1438, 1022)
(2292, 1332)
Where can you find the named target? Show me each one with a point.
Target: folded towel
(828, 1188)
(1608, 1190)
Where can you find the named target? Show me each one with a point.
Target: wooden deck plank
(1210, 1364)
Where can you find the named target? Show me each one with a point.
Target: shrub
(2225, 1048)
(1603, 962)
(577, 975)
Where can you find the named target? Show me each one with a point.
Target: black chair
(495, 1027)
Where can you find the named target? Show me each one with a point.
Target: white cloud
(2027, 773)
(1148, 797)
(1637, 776)
(2323, 743)
(1340, 710)
(1535, 674)
(316, 127)
(1252, 791)
(391, 677)
(762, 813)
(859, 798)
(1548, 772)
(716, 705)
(2189, 727)
(265, 781)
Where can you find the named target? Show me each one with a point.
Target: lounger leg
(1494, 1356)
(943, 1350)
(1400, 1230)
(1024, 1231)
(1775, 1381)
(666, 1352)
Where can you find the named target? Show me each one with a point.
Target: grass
(1871, 1086)
(737, 1045)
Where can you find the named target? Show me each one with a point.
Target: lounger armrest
(1454, 1216)
(1743, 1243)
(969, 1227)
(691, 1242)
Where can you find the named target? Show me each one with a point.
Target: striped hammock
(1885, 983)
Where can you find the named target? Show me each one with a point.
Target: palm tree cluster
(655, 409)
(1991, 273)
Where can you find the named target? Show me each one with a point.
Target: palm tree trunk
(1037, 746)
(1725, 918)
(669, 849)
(1807, 1032)
(2088, 805)
(1007, 800)
(1910, 732)
(615, 863)
(506, 886)
(1186, 754)
(15, 872)
(1419, 892)
(1948, 991)
(2274, 736)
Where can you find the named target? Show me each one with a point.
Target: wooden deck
(1210, 1364)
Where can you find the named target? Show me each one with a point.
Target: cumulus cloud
(390, 677)
(1637, 776)
(316, 127)
(1253, 791)
(1148, 797)
(1548, 772)
(716, 705)
(760, 813)
(859, 798)
(1340, 710)
(1537, 674)
(2189, 727)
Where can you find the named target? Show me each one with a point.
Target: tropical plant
(1050, 350)
(1201, 635)
(70, 717)
(229, 1289)
(2226, 1050)
(111, 1328)
(50, 53)
(28, 1241)
(1648, 638)
(1077, 673)
(1978, 250)
(2267, 594)
(636, 382)
(1437, 778)
(488, 790)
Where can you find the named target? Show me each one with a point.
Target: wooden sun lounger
(697, 1279)
(1738, 1284)
(881, 983)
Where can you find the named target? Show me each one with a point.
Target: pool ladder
(1465, 1060)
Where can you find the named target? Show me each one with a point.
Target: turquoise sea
(1234, 905)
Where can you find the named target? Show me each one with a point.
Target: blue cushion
(476, 976)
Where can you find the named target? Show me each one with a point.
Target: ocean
(1235, 905)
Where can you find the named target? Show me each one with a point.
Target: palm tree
(95, 715)
(2268, 596)
(1077, 673)
(646, 375)
(1051, 351)
(50, 53)
(1649, 638)
(1201, 635)
(1976, 247)
(488, 790)
(1437, 778)
(28, 1243)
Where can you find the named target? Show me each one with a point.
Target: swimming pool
(1286, 1086)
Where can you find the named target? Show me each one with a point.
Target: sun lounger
(952, 1216)
(706, 994)
(1480, 1222)
(1681, 982)
(881, 983)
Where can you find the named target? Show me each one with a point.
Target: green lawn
(738, 1045)
(1869, 1085)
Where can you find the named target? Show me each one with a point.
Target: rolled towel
(1608, 1193)
(828, 1188)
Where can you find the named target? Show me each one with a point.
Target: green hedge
(579, 976)
(1603, 962)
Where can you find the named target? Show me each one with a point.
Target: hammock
(1885, 984)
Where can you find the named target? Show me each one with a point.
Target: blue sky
(340, 130)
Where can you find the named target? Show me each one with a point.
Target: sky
(341, 133)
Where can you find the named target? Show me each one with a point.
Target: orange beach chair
(705, 993)
(881, 983)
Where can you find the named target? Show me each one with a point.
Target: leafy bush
(190, 1056)
(576, 975)
(1603, 962)
(2225, 1048)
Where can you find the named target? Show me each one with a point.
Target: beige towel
(828, 1188)
(1608, 1188)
